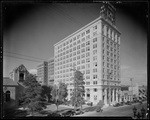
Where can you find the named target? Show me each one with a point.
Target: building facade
(13, 86)
(51, 71)
(139, 92)
(95, 51)
(42, 73)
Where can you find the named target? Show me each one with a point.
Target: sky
(31, 30)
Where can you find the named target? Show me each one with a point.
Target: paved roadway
(125, 110)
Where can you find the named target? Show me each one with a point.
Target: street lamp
(134, 111)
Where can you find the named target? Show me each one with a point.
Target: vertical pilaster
(116, 95)
(105, 98)
(113, 95)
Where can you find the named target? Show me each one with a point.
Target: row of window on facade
(83, 50)
(77, 37)
(77, 48)
(74, 64)
(107, 31)
(115, 65)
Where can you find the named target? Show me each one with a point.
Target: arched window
(21, 76)
(7, 96)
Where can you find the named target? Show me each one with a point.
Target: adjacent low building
(51, 71)
(42, 73)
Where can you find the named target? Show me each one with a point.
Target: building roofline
(78, 30)
(99, 18)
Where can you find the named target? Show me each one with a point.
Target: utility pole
(131, 79)
(109, 78)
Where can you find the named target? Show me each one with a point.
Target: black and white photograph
(70, 59)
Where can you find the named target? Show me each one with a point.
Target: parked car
(128, 103)
(99, 109)
(78, 111)
(89, 103)
(116, 105)
(67, 113)
(122, 103)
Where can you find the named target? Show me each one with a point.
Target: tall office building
(95, 51)
(51, 71)
(42, 73)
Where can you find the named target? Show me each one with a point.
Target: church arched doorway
(7, 96)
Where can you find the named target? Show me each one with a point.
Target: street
(125, 110)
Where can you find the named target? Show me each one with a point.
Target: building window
(107, 59)
(88, 48)
(95, 64)
(78, 47)
(88, 60)
(83, 55)
(83, 34)
(94, 76)
(88, 37)
(83, 45)
(95, 27)
(83, 39)
(87, 71)
(87, 83)
(102, 29)
(78, 62)
(78, 52)
(87, 65)
(78, 68)
(78, 36)
(83, 50)
(95, 70)
(95, 82)
(88, 43)
(94, 52)
(83, 67)
(95, 33)
(94, 58)
(87, 54)
(88, 77)
(83, 61)
(95, 89)
(88, 31)
(107, 47)
(78, 57)
(94, 46)
(95, 97)
(94, 40)
(108, 65)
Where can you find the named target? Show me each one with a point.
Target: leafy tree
(32, 95)
(46, 92)
(59, 94)
(78, 94)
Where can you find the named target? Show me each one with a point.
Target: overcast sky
(32, 30)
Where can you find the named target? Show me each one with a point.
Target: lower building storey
(96, 93)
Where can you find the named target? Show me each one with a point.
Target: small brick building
(13, 87)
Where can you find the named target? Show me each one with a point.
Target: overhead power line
(23, 58)
(67, 15)
(60, 11)
(24, 55)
